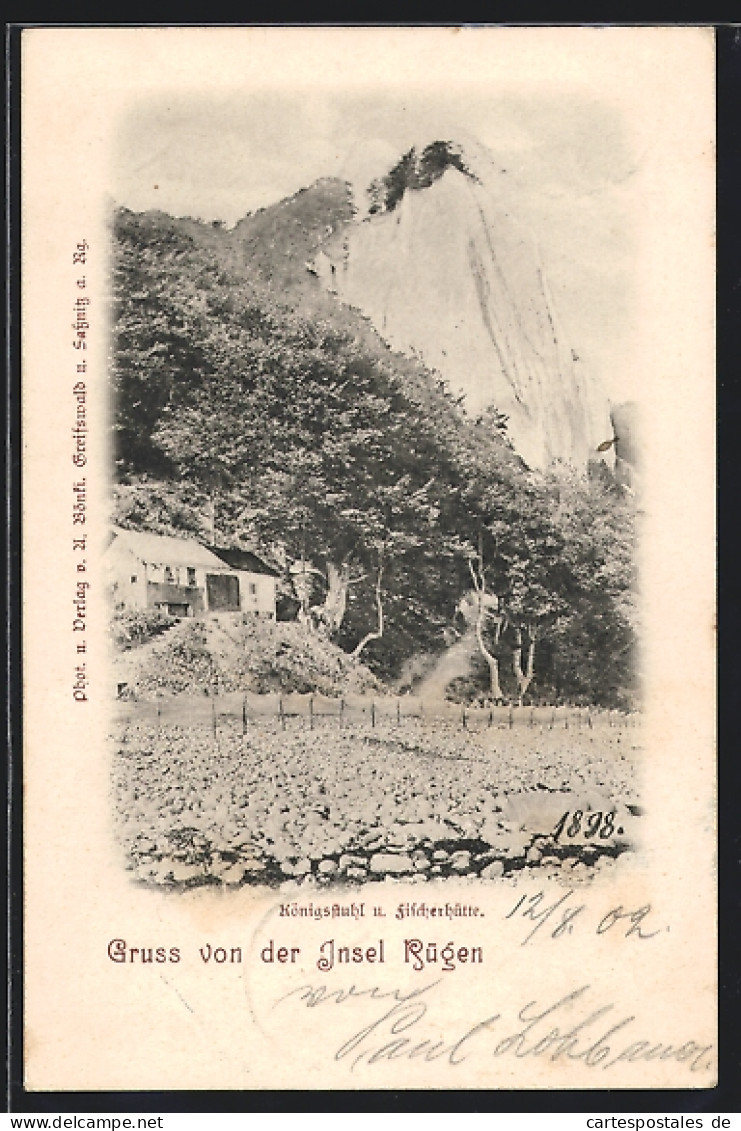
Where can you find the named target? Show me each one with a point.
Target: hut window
(133, 579)
(169, 575)
(191, 575)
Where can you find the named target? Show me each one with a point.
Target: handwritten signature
(601, 1037)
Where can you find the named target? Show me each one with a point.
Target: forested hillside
(253, 408)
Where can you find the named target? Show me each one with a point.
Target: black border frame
(727, 1094)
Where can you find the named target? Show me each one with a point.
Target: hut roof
(243, 560)
(162, 549)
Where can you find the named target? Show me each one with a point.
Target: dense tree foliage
(242, 419)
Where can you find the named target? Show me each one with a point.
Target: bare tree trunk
(523, 678)
(379, 608)
(211, 519)
(517, 665)
(330, 615)
(491, 659)
(530, 666)
(495, 690)
(302, 577)
(498, 621)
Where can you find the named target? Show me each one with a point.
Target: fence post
(532, 716)
(463, 718)
(511, 717)
(373, 712)
(213, 712)
(398, 712)
(342, 711)
(311, 712)
(281, 713)
(491, 717)
(553, 719)
(244, 715)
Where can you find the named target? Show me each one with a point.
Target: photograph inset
(372, 557)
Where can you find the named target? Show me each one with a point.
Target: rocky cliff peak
(413, 172)
(446, 274)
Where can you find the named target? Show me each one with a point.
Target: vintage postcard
(368, 558)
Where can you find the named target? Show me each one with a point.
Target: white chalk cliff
(448, 275)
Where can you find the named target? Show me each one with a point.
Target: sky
(572, 177)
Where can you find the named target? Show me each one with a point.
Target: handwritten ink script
(519, 1012)
(558, 917)
(575, 1027)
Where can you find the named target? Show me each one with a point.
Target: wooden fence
(238, 709)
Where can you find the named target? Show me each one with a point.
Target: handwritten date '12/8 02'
(560, 916)
(589, 825)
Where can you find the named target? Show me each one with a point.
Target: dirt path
(453, 663)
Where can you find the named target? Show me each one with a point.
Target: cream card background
(91, 1024)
